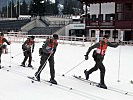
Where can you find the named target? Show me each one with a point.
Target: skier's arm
(92, 47)
(33, 47)
(55, 48)
(24, 45)
(5, 40)
(112, 44)
(44, 47)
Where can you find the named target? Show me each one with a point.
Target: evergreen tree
(56, 7)
(37, 8)
(24, 8)
(13, 9)
(72, 7)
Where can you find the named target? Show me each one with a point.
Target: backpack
(40, 51)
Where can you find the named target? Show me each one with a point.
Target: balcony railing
(100, 23)
(122, 24)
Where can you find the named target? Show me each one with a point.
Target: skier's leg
(87, 73)
(102, 73)
(0, 57)
(52, 70)
(42, 64)
(30, 59)
(51, 64)
(25, 58)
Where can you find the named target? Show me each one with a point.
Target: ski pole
(18, 54)
(119, 64)
(73, 68)
(43, 65)
(10, 56)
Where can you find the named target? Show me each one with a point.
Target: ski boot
(86, 74)
(53, 81)
(23, 65)
(102, 86)
(37, 76)
(29, 65)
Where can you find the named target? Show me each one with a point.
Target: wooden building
(114, 17)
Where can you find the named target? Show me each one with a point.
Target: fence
(73, 40)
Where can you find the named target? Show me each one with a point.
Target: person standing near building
(47, 53)
(28, 49)
(2, 46)
(98, 56)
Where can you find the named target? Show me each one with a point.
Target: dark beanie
(33, 37)
(55, 36)
(106, 36)
(1, 34)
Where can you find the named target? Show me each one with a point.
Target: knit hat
(106, 36)
(33, 37)
(1, 34)
(55, 36)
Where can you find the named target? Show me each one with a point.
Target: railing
(73, 40)
(127, 43)
(101, 23)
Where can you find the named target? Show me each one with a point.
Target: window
(107, 32)
(128, 11)
(128, 16)
(107, 17)
(128, 6)
(100, 17)
(93, 33)
(88, 16)
(115, 34)
(94, 18)
(101, 33)
(120, 16)
(119, 7)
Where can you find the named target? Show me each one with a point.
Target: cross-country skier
(2, 46)
(47, 53)
(98, 56)
(28, 49)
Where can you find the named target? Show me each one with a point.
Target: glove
(9, 42)
(86, 57)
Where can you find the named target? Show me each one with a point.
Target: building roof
(101, 1)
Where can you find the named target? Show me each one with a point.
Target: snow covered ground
(14, 85)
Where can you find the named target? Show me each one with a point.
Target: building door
(128, 36)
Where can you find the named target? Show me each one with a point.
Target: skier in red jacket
(98, 56)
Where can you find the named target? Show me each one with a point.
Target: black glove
(86, 57)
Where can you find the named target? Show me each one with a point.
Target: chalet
(114, 17)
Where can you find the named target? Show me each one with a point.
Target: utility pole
(7, 8)
(11, 9)
(16, 7)
(19, 7)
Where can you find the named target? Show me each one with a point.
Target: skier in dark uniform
(28, 49)
(47, 53)
(2, 46)
(98, 56)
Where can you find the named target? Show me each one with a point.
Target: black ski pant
(99, 65)
(27, 54)
(0, 55)
(43, 63)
